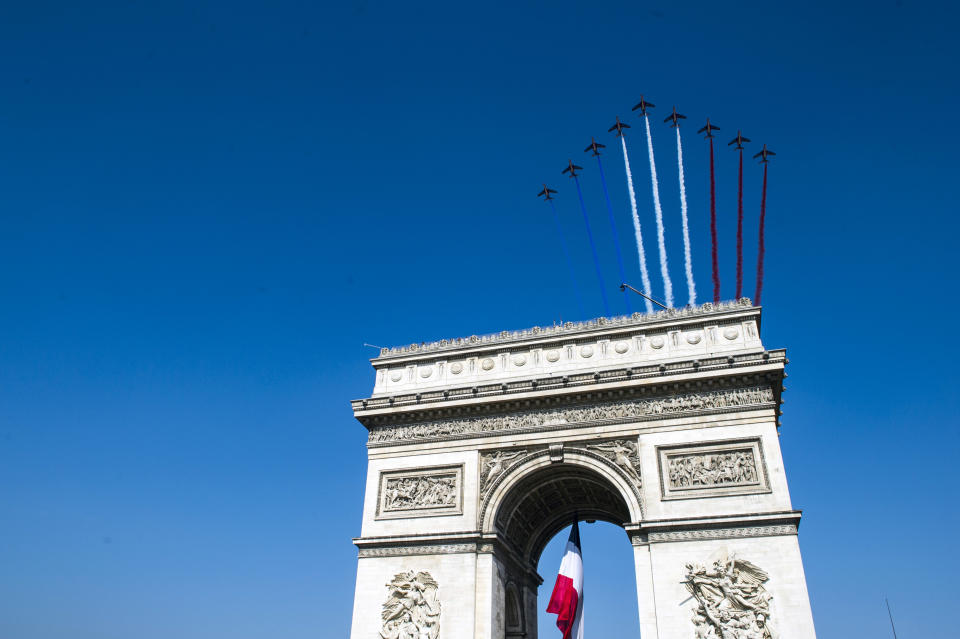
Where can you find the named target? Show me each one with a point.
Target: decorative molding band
(407, 551)
(715, 533)
(365, 410)
(504, 337)
(555, 418)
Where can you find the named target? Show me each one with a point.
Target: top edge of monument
(566, 328)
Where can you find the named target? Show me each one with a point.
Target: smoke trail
(740, 228)
(687, 259)
(644, 274)
(593, 248)
(566, 254)
(760, 246)
(667, 284)
(616, 237)
(713, 229)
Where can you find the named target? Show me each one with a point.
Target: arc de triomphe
(481, 449)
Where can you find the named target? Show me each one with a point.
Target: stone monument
(481, 449)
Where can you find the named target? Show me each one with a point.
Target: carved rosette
(731, 599)
(412, 609)
(563, 417)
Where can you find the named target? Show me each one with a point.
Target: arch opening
(546, 500)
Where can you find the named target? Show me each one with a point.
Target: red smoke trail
(740, 228)
(713, 229)
(760, 247)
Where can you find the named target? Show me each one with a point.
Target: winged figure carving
(412, 609)
(732, 599)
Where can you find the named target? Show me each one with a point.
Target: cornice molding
(568, 328)
(403, 406)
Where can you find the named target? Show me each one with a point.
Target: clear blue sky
(208, 207)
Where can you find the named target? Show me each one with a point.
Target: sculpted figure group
(702, 470)
(732, 602)
(406, 493)
(593, 413)
(412, 609)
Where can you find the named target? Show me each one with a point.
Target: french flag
(567, 598)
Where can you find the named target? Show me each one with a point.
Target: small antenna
(892, 627)
(379, 348)
(626, 286)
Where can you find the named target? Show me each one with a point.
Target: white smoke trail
(667, 284)
(687, 260)
(644, 274)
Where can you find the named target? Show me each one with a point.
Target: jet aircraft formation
(673, 119)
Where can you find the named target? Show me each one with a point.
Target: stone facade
(481, 449)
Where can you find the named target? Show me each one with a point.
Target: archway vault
(539, 496)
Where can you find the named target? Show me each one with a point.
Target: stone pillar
(646, 597)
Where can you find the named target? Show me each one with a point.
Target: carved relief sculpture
(411, 493)
(731, 599)
(492, 465)
(733, 468)
(686, 402)
(412, 609)
(623, 453)
(420, 492)
(717, 469)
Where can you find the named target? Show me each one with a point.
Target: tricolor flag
(567, 598)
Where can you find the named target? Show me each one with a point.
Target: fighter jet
(764, 153)
(739, 140)
(595, 147)
(676, 117)
(619, 126)
(709, 129)
(545, 193)
(572, 169)
(643, 105)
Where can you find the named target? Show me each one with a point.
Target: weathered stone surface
(481, 450)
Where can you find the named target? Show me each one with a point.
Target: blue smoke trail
(566, 254)
(593, 247)
(616, 238)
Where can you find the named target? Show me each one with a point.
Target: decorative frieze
(412, 609)
(573, 416)
(722, 533)
(717, 469)
(408, 551)
(731, 598)
(567, 328)
(422, 492)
